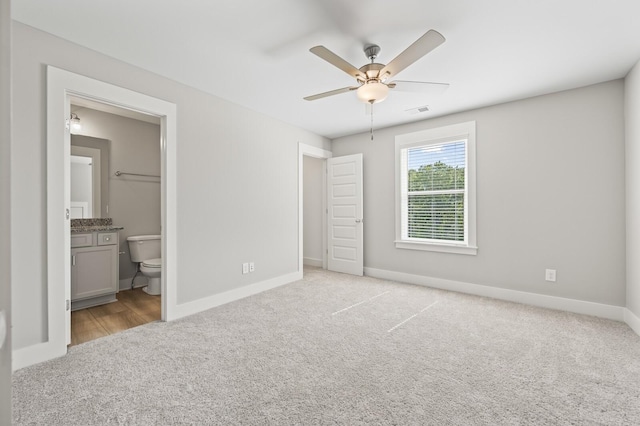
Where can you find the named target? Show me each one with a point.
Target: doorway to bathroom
(115, 175)
(61, 85)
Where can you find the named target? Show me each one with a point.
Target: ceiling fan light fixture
(372, 92)
(372, 78)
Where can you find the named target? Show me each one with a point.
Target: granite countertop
(93, 225)
(84, 229)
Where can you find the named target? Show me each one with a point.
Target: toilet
(146, 251)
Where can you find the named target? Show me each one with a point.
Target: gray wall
(312, 206)
(632, 123)
(550, 191)
(236, 180)
(5, 200)
(134, 202)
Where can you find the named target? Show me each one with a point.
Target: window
(435, 190)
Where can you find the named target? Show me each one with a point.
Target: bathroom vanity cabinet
(94, 269)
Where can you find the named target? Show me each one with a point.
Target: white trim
(125, 283)
(311, 151)
(442, 248)
(33, 354)
(190, 308)
(61, 85)
(30, 355)
(541, 300)
(308, 261)
(466, 131)
(632, 320)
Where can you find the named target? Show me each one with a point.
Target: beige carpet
(336, 349)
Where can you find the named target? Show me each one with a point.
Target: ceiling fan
(372, 78)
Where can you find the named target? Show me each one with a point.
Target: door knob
(358, 220)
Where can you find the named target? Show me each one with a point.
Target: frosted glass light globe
(373, 92)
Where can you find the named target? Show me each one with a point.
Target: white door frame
(61, 85)
(311, 151)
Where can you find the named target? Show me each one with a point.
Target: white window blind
(435, 180)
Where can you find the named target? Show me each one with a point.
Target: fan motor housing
(372, 70)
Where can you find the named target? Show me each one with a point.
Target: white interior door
(344, 202)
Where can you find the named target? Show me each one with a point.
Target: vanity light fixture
(75, 122)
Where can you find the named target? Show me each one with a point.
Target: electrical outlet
(245, 268)
(252, 267)
(550, 275)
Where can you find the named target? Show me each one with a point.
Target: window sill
(443, 248)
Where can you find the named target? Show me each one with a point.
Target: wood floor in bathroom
(133, 308)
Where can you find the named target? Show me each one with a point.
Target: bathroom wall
(312, 208)
(237, 181)
(134, 201)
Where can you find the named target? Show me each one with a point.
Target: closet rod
(118, 173)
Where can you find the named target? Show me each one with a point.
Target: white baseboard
(309, 261)
(125, 283)
(35, 354)
(190, 308)
(632, 320)
(541, 300)
(41, 352)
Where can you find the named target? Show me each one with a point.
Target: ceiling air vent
(418, 110)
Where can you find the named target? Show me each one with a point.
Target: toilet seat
(152, 263)
(152, 269)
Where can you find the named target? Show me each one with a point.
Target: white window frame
(462, 131)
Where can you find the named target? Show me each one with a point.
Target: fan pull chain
(371, 119)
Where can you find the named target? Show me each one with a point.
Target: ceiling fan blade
(330, 93)
(337, 61)
(425, 44)
(418, 87)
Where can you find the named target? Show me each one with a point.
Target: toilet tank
(144, 247)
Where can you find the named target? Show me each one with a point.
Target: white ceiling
(255, 52)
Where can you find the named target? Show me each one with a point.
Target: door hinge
(68, 304)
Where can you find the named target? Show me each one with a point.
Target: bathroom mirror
(89, 177)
